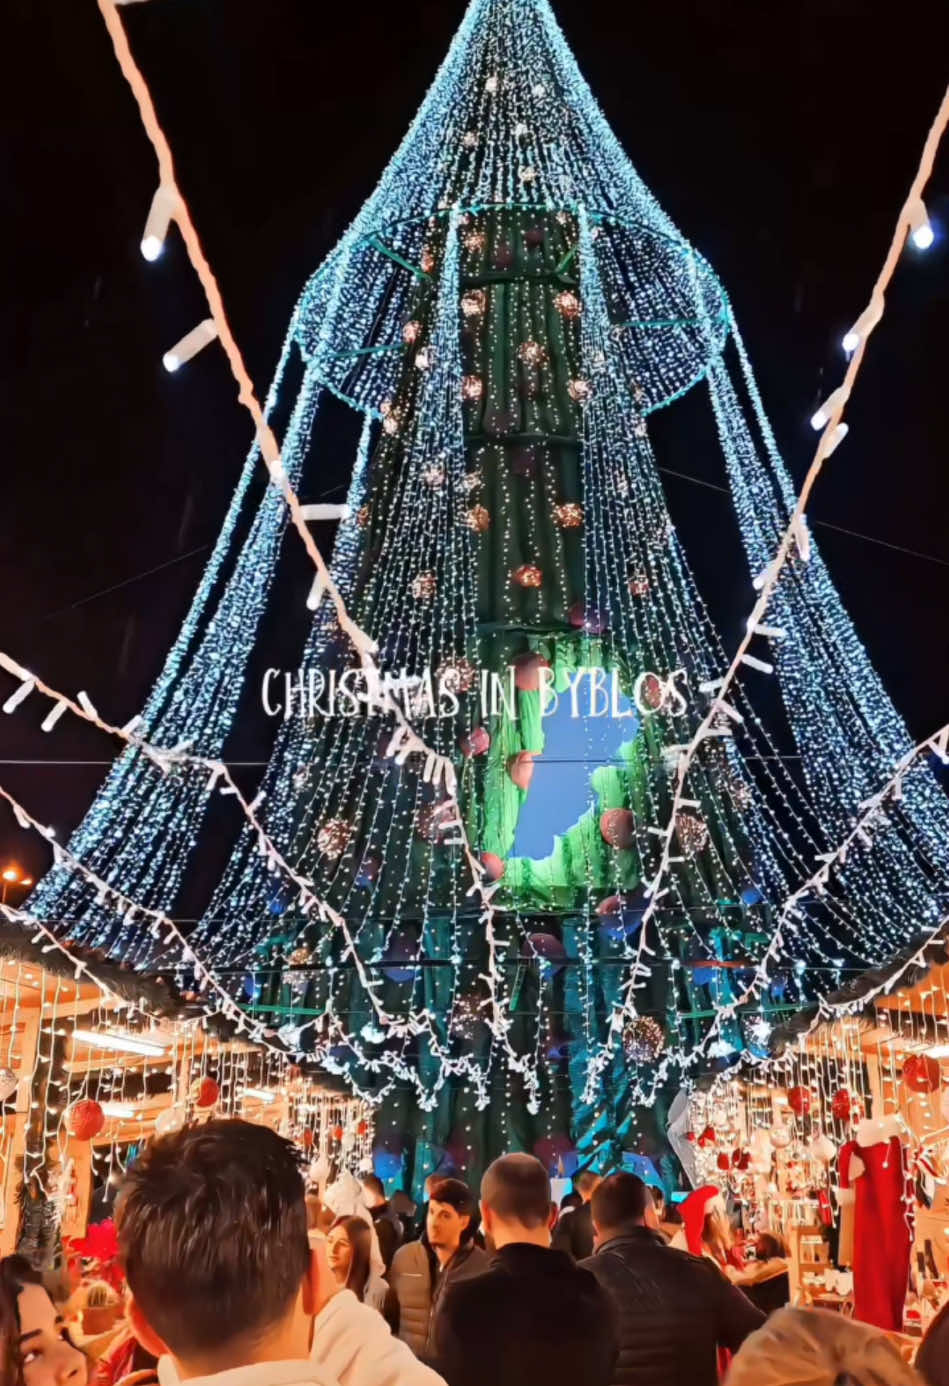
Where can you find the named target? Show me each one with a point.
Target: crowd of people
(236, 1276)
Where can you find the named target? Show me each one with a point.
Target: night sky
(780, 138)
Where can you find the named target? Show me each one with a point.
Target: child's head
(213, 1237)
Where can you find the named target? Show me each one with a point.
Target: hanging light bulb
(159, 219)
(821, 418)
(190, 345)
(862, 328)
(920, 231)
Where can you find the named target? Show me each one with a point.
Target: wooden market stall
(87, 1075)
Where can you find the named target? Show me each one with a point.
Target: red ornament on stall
(337, 1133)
(204, 1092)
(362, 1129)
(707, 1137)
(307, 1139)
(841, 1104)
(799, 1100)
(723, 1162)
(85, 1119)
(920, 1073)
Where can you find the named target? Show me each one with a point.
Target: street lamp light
(12, 876)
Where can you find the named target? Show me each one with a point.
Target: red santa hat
(695, 1209)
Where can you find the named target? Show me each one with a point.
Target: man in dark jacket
(387, 1224)
(574, 1231)
(674, 1310)
(533, 1318)
(423, 1270)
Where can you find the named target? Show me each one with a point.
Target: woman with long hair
(37, 1348)
(349, 1253)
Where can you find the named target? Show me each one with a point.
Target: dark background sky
(780, 137)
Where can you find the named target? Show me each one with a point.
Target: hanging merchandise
(873, 1167)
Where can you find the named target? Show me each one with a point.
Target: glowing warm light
(120, 1041)
(260, 1094)
(118, 1109)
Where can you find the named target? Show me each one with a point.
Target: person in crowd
(9, 1357)
(932, 1360)
(413, 1274)
(569, 1202)
(348, 1248)
(765, 1280)
(225, 1288)
(533, 1318)
(812, 1346)
(405, 1209)
(449, 1231)
(574, 1232)
(708, 1230)
(388, 1226)
(670, 1220)
(37, 1347)
(674, 1311)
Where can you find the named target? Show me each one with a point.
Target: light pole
(12, 876)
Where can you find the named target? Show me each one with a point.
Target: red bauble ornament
(527, 669)
(799, 1100)
(493, 866)
(841, 1104)
(742, 1160)
(707, 1137)
(651, 692)
(478, 518)
(337, 1133)
(569, 515)
(204, 1092)
(920, 1073)
(85, 1119)
(690, 1136)
(307, 1139)
(521, 769)
(567, 303)
(723, 1161)
(617, 828)
(362, 1129)
(528, 575)
(476, 742)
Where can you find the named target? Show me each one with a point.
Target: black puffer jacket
(673, 1311)
(532, 1319)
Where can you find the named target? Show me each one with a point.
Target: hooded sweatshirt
(306, 1373)
(810, 1347)
(352, 1344)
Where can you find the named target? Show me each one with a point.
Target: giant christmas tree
(506, 312)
